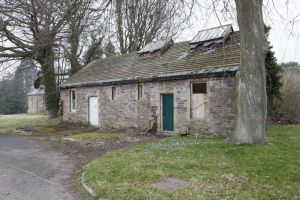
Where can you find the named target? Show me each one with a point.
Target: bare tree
(139, 22)
(86, 28)
(76, 24)
(252, 95)
(289, 105)
(30, 30)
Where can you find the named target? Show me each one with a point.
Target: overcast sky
(284, 34)
(278, 14)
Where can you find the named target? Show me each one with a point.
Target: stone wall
(36, 104)
(222, 106)
(126, 110)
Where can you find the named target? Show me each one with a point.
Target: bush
(288, 106)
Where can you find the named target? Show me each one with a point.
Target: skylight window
(209, 37)
(155, 48)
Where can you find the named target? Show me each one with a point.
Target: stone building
(35, 101)
(166, 86)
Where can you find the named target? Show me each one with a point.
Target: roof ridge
(129, 53)
(215, 27)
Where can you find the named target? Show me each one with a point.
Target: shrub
(288, 106)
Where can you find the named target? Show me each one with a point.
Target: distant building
(170, 87)
(36, 103)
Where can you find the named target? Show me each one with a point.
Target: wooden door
(168, 112)
(93, 111)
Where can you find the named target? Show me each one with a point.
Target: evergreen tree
(14, 88)
(5, 95)
(110, 49)
(29, 73)
(290, 66)
(18, 96)
(94, 50)
(273, 76)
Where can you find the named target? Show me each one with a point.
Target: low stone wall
(126, 110)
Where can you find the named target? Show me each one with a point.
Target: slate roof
(177, 62)
(33, 91)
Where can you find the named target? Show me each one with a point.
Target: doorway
(93, 111)
(168, 112)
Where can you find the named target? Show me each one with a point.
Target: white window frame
(73, 102)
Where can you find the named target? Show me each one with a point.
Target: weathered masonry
(35, 98)
(166, 86)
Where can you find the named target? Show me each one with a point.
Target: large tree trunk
(120, 32)
(51, 94)
(73, 57)
(252, 96)
(74, 38)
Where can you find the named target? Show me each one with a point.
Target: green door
(168, 112)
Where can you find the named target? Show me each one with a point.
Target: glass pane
(73, 105)
(140, 91)
(113, 93)
(73, 95)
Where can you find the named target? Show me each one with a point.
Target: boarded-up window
(73, 101)
(140, 91)
(113, 93)
(198, 100)
(199, 88)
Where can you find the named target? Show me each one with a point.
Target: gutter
(210, 72)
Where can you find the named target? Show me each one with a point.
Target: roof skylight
(211, 36)
(156, 45)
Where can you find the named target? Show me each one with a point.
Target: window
(199, 88)
(140, 91)
(113, 93)
(73, 101)
(198, 100)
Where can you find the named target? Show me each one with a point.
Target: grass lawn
(258, 172)
(10, 123)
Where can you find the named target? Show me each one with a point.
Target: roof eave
(215, 72)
